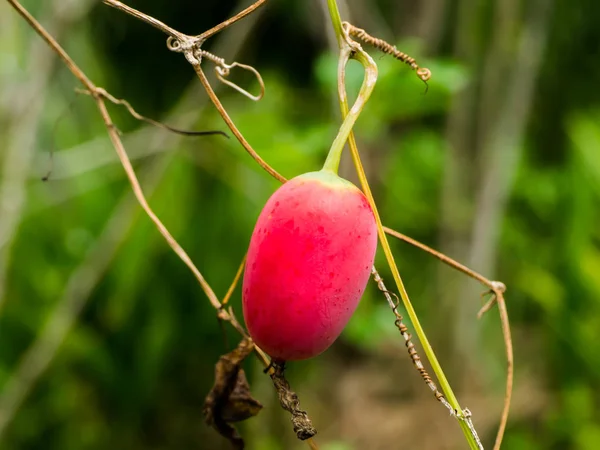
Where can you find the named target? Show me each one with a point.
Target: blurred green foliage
(134, 368)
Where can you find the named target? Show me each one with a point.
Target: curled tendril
(195, 55)
(423, 73)
(224, 70)
(173, 44)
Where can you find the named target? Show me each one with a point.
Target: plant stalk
(332, 162)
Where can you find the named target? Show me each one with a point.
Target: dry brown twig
(394, 303)
(289, 401)
(136, 115)
(141, 118)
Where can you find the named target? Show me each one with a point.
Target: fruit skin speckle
(304, 277)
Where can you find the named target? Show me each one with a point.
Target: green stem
(332, 163)
(370, 71)
(336, 20)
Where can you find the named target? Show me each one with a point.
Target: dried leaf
(229, 399)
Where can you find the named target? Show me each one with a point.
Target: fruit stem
(334, 13)
(347, 49)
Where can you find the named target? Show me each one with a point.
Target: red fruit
(308, 264)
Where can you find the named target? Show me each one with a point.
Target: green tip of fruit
(329, 178)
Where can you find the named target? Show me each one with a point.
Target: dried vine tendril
(423, 73)
(288, 399)
(191, 48)
(394, 303)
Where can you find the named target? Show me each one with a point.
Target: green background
(106, 339)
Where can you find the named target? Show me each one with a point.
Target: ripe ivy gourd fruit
(308, 264)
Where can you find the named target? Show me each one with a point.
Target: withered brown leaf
(230, 400)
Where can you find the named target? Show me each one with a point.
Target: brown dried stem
(146, 18)
(394, 303)
(496, 289)
(138, 116)
(240, 137)
(214, 30)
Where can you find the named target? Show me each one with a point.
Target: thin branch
(176, 34)
(235, 281)
(510, 367)
(137, 190)
(190, 46)
(226, 299)
(138, 116)
(394, 303)
(236, 132)
(146, 18)
(445, 259)
(214, 30)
